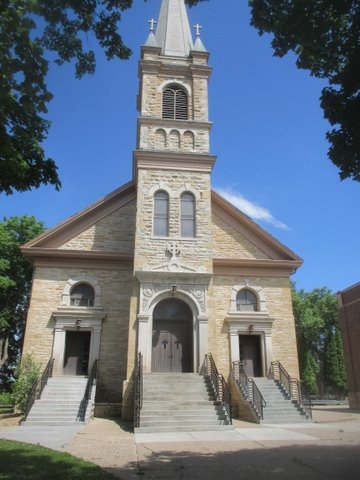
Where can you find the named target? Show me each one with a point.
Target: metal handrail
(38, 387)
(88, 390)
(249, 389)
(138, 394)
(292, 386)
(222, 391)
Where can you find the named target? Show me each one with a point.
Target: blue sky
(268, 134)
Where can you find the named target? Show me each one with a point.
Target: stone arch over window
(161, 213)
(187, 215)
(175, 102)
(247, 298)
(160, 139)
(81, 290)
(188, 140)
(174, 140)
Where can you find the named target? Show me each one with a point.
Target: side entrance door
(77, 348)
(250, 354)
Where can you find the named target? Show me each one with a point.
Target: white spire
(173, 32)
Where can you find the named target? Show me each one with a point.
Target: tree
(321, 358)
(31, 31)
(325, 37)
(15, 286)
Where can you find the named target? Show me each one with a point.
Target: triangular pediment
(94, 228)
(238, 240)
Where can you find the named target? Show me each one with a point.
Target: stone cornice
(172, 161)
(255, 267)
(173, 123)
(91, 258)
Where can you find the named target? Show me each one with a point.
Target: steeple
(173, 32)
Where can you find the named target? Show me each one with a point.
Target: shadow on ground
(266, 463)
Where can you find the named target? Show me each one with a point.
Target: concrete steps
(60, 403)
(279, 406)
(180, 402)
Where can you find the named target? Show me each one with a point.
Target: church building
(162, 266)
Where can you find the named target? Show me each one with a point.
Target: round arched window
(82, 295)
(246, 301)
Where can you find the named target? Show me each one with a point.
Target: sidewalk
(328, 448)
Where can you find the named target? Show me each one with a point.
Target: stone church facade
(163, 265)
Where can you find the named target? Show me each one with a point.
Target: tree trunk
(4, 344)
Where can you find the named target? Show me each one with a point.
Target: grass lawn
(22, 461)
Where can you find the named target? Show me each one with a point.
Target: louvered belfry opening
(175, 103)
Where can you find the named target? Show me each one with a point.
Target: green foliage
(5, 398)
(15, 286)
(27, 375)
(26, 461)
(325, 37)
(29, 31)
(322, 364)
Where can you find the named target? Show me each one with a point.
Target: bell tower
(171, 169)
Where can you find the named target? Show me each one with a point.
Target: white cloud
(254, 211)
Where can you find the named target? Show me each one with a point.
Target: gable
(239, 241)
(106, 226)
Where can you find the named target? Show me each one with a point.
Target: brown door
(250, 355)
(77, 347)
(172, 337)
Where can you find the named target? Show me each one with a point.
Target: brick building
(349, 318)
(164, 261)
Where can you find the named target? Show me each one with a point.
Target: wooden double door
(172, 337)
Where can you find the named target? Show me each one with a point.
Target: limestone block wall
(230, 242)
(150, 251)
(116, 289)
(114, 233)
(277, 295)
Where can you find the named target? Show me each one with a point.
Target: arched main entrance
(172, 337)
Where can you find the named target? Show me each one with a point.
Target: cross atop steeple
(198, 28)
(152, 23)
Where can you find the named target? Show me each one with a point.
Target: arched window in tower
(161, 214)
(175, 103)
(246, 301)
(187, 221)
(82, 295)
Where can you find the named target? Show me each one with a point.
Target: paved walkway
(327, 449)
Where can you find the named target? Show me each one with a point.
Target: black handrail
(296, 391)
(88, 391)
(138, 387)
(38, 387)
(249, 389)
(222, 391)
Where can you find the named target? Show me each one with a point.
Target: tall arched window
(187, 221)
(175, 103)
(246, 301)
(82, 295)
(161, 214)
